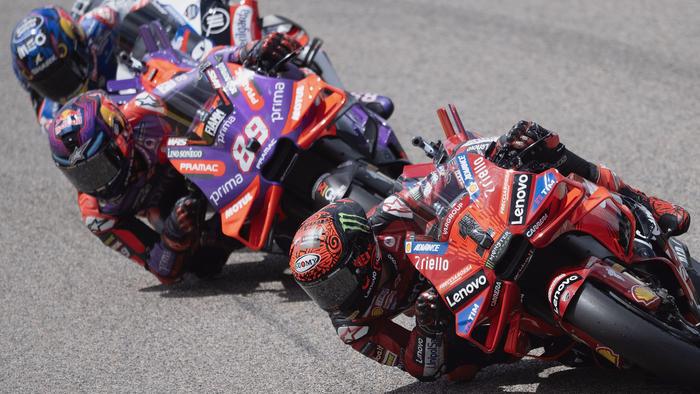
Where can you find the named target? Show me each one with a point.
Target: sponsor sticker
(498, 249)
(192, 11)
(644, 295)
(608, 354)
(200, 167)
(544, 185)
(425, 247)
(538, 224)
(564, 281)
(306, 262)
(518, 202)
(225, 189)
(465, 291)
(240, 204)
(277, 101)
(454, 278)
(27, 27)
(467, 317)
(483, 177)
(432, 263)
(242, 24)
(215, 21)
(450, 217)
(465, 174)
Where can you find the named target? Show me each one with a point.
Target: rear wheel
(640, 338)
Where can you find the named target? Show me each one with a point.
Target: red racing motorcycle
(537, 260)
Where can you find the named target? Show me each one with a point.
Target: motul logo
(238, 205)
(521, 190)
(466, 290)
(298, 101)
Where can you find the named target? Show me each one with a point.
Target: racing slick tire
(637, 339)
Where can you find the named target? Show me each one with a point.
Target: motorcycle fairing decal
(467, 316)
(520, 198)
(304, 95)
(609, 355)
(559, 290)
(544, 185)
(466, 290)
(234, 214)
(466, 176)
(425, 247)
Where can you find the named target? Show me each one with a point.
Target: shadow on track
(535, 376)
(251, 273)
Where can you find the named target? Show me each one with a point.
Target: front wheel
(639, 338)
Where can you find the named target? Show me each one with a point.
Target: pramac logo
(306, 262)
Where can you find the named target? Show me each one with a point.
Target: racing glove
(266, 53)
(507, 151)
(431, 312)
(179, 231)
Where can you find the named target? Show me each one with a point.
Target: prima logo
(277, 101)
(224, 189)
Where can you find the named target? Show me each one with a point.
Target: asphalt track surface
(620, 81)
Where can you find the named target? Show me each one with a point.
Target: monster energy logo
(353, 222)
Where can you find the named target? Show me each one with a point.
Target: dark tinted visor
(334, 291)
(63, 79)
(96, 173)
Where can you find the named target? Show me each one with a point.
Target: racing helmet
(91, 143)
(50, 54)
(335, 258)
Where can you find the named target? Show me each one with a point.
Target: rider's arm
(133, 239)
(388, 343)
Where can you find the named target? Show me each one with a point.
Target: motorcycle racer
(55, 58)
(115, 158)
(354, 266)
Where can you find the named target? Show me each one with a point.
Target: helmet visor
(334, 291)
(97, 173)
(62, 80)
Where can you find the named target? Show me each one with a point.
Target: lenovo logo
(466, 290)
(521, 195)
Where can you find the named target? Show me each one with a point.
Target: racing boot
(380, 105)
(672, 219)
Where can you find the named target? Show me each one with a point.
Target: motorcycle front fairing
(236, 121)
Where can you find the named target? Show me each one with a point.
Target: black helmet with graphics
(335, 258)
